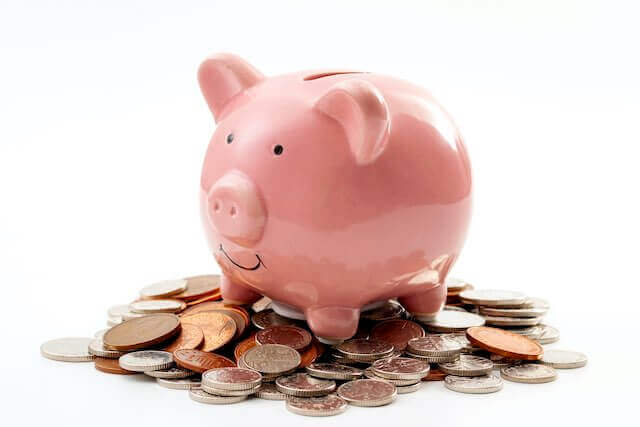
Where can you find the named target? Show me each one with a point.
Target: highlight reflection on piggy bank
(331, 191)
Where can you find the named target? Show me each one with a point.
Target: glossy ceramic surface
(327, 191)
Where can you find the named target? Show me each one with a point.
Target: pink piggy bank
(331, 192)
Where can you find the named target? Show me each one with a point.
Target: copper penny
(198, 286)
(214, 296)
(396, 332)
(310, 354)
(504, 343)
(291, 336)
(111, 366)
(218, 328)
(190, 338)
(435, 375)
(244, 345)
(200, 361)
(142, 332)
(205, 306)
(237, 317)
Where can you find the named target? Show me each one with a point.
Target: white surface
(103, 130)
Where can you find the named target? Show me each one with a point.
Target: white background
(103, 131)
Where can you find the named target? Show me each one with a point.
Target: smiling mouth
(255, 267)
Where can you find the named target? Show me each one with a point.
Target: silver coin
(563, 359)
(100, 333)
(170, 373)
(474, 385)
(531, 373)
(454, 284)
(492, 297)
(67, 349)
(132, 315)
(530, 331)
(409, 388)
(232, 378)
(269, 391)
(342, 360)
(546, 334)
(261, 305)
(468, 366)
(223, 392)
(156, 306)
(333, 371)
(97, 348)
(512, 321)
(146, 360)
(179, 383)
(271, 358)
(268, 317)
(500, 362)
(434, 345)
(370, 373)
(389, 311)
(322, 406)
(304, 385)
(461, 338)
(117, 311)
(512, 312)
(433, 359)
(401, 368)
(532, 302)
(202, 396)
(454, 321)
(368, 392)
(164, 288)
(113, 321)
(454, 308)
(364, 349)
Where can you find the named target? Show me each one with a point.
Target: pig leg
(234, 293)
(426, 304)
(333, 324)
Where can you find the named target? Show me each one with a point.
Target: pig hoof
(232, 293)
(333, 324)
(426, 305)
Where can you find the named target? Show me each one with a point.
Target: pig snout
(236, 210)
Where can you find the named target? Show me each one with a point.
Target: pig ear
(363, 113)
(222, 76)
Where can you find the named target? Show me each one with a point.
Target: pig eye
(278, 149)
(229, 138)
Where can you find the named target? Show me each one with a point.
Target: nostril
(233, 211)
(216, 206)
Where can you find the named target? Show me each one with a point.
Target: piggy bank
(331, 192)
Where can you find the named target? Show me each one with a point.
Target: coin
(197, 286)
(512, 321)
(500, 362)
(453, 283)
(435, 374)
(142, 332)
(492, 297)
(322, 406)
(231, 378)
(404, 389)
(390, 310)
(213, 296)
(235, 315)
(146, 360)
(100, 333)
(563, 359)
(371, 374)
(505, 343)
(244, 345)
(396, 332)
(157, 306)
(468, 366)
(272, 358)
(474, 385)
(434, 345)
(164, 288)
(97, 348)
(461, 338)
(454, 308)
(453, 321)
(532, 302)
(368, 392)
(401, 368)
(364, 349)
(200, 361)
(303, 385)
(190, 337)
(291, 336)
(311, 353)
(434, 359)
(67, 350)
(170, 373)
(333, 371)
(512, 312)
(218, 328)
(269, 391)
(531, 373)
(111, 366)
(222, 392)
(117, 311)
(260, 305)
(202, 396)
(268, 317)
(179, 383)
(546, 334)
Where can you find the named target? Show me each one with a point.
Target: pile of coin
(182, 334)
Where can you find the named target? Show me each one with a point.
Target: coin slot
(329, 74)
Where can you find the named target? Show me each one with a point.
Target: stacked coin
(231, 382)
